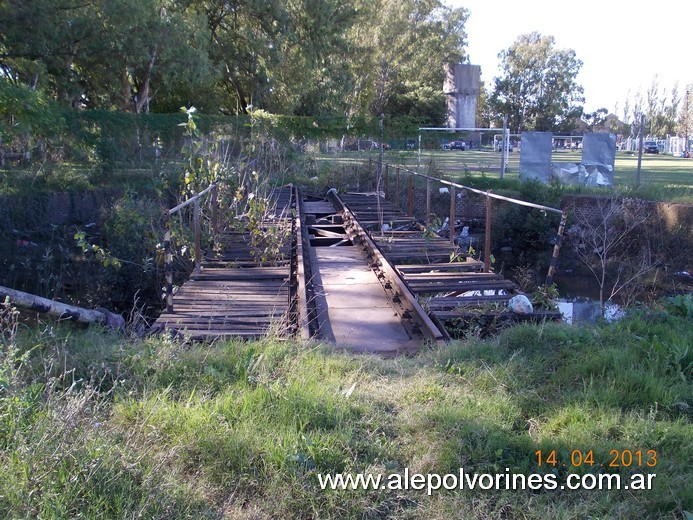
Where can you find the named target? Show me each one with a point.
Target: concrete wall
(675, 216)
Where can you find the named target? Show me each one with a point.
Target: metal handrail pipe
(192, 199)
(483, 192)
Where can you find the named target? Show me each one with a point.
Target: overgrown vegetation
(97, 424)
(116, 260)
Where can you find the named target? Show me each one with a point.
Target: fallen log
(60, 310)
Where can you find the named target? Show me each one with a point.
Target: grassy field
(98, 425)
(662, 176)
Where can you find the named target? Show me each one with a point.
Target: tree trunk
(61, 310)
(142, 98)
(239, 91)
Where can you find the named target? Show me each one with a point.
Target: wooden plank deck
(244, 301)
(234, 294)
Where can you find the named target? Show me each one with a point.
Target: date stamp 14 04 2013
(622, 458)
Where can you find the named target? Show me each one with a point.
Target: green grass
(101, 425)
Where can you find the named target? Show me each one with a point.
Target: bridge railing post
(556, 249)
(198, 235)
(214, 201)
(428, 201)
(487, 238)
(410, 196)
(397, 193)
(453, 211)
(168, 250)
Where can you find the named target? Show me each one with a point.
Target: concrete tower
(462, 86)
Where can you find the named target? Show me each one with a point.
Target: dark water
(584, 310)
(579, 301)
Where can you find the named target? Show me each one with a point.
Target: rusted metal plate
(358, 313)
(321, 207)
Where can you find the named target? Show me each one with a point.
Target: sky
(623, 45)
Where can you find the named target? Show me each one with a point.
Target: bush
(530, 231)
(132, 228)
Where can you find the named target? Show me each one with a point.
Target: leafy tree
(152, 47)
(102, 54)
(596, 119)
(661, 110)
(28, 118)
(633, 113)
(297, 57)
(483, 109)
(685, 121)
(315, 75)
(538, 88)
(39, 41)
(245, 46)
(283, 57)
(400, 47)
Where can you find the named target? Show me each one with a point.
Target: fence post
(410, 196)
(556, 249)
(504, 148)
(641, 137)
(428, 201)
(397, 193)
(196, 224)
(452, 215)
(168, 263)
(487, 238)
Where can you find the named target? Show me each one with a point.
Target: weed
(545, 297)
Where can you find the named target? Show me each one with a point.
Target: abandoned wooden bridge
(354, 270)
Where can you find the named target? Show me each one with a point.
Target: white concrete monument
(462, 86)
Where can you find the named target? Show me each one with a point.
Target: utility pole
(686, 116)
(504, 151)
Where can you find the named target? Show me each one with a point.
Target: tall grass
(98, 425)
